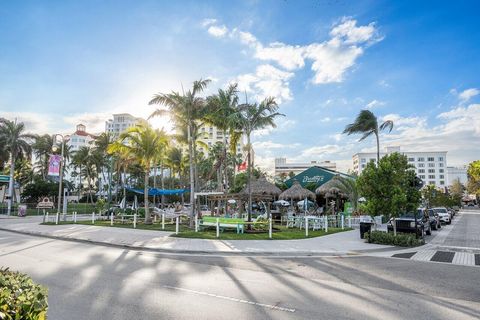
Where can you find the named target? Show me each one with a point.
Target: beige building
(284, 167)
(120, 123)
(210, 135)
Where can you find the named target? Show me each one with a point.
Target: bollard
(163, 221)
(176, 225)
(196, 223)
(56, 218)
(75, 217)
(343, 222)
(155, 218)
(134, 221)
(326, 223)
(47, 216)
(44, 216)
(270, 228)
(306, 227)
(111, 219)
(218, 227)
(93, 217)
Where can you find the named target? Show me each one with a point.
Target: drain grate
(406, 255)
(477, 259)
(443, 256)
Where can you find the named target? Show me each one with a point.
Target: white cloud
(326, 119)
(468, 94)
(267, 145)
(283, 125)
(267, 81)
(218, 31)
(375, 103)
(330, 59)
(36, 123)
(208, 22)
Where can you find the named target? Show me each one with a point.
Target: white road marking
(269, 306)
(464, 258)
(424, 255)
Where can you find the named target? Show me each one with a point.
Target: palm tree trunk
(192, 175)
(154, 182)
(145, 197)
(10, 185)
(162, 182)
(249, 176)
(378, 148)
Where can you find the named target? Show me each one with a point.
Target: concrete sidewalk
(341, 243)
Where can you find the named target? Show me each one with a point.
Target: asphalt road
(466, 232)
(95, 282)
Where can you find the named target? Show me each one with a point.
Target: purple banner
(54, 165)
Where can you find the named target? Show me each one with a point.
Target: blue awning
(158, 192)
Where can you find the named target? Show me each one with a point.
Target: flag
(242, 166)
(54, 165)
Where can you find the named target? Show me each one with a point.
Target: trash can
(364, 228)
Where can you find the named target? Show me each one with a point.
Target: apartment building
(210, 135)
(284, 167)
(120, 123)
(430, 166)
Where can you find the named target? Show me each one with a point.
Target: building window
(442, 182)
(440, 164)
(421, 171)
(440, 170)
(411, 159)
(431, 165)
(363, 166)
(421, 165)
(431, 176)
(364, 160)
(442, 176)
(431, 170)
(421, 159)
(440, 158)
(431, 182)
(422, 177)
(431, 159)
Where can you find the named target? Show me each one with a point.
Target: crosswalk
(458, 258)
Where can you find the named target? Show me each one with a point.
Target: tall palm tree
(222, 106)
(144, 144)
(42, 148)
(366, 123)
(185, 109)
(16, 142)
(251, 117)
(85, 160)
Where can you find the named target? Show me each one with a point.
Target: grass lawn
(282, 234)
(80, 208)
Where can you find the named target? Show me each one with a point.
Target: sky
(413, 62)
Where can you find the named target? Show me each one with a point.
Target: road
(95, 282)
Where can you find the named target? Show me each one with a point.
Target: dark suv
(406, 224)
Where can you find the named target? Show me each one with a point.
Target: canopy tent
(158, 192)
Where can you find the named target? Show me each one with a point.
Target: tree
(473, 173)
(16, 142)
(42, 148)
(185, 109)
(366, 123)
(347, 186)
(144, 144)
(251, 117)
(389, 188)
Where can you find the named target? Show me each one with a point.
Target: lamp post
(62, 162)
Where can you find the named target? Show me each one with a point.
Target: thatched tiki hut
(329, 190)
(262, 187)
(296, 192)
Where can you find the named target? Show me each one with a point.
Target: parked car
(443, 214)
(433, 218)
(406, 224)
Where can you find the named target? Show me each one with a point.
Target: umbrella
(262, 186)
(122, 204)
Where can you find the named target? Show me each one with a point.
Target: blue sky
(415, 62)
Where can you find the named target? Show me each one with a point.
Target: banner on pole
(54, 165)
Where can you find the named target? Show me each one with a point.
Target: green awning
(4, 178)
(317, 175)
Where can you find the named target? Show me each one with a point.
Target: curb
(211, 253)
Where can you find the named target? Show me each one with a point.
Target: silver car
(443, 214)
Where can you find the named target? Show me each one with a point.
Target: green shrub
(401, 239)
(21, 298)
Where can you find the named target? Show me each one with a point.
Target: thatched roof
(296, 192)
(325, 188)
(261, 186)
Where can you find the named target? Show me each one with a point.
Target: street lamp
(62, 163)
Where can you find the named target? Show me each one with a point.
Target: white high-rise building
(457, 173)
(430, 166)
(210, 135)
(120, 123)
(282, 167)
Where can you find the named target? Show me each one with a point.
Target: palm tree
(347, 186)
(185, 109)
(16, 141)
(366, 123)
(42, 148)
(251, 117)
(144, 144)
(85, 160)
(222, 106)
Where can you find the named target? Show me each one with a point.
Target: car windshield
(431, 213)
(419, 215)
(441, 210)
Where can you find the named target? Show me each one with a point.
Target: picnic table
(223, 223)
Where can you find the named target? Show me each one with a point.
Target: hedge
(401, 239)
(21, 298)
